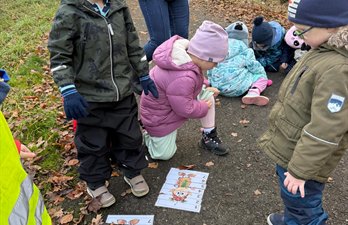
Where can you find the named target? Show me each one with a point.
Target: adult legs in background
(164, 20)
(179, 14)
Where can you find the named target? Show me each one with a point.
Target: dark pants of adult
(163, 20)
(110, 130)
(302, 211)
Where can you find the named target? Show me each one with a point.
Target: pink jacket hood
(172, 55)
(178, 81)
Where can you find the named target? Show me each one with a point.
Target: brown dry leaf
(66, 219)
(217, 103)
(153, 165)
(74, 194)
(56, 212)
(330, 180)
(257, 192)
(58, 199)
(97, 220)
(73, 162)
(94, 205)
(240, 140)
(60, 179)
(234, 134)
(186, 167)
(115, 174)
(243, 106)
(209, 164)
(244, 122)
(248, 165)
(127, 192)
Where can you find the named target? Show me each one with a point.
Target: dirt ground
(242, 187)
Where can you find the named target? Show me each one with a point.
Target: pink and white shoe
(254, 98)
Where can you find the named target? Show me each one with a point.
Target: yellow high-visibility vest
(20, 200)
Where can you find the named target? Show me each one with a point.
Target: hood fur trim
(179, 54)
(339, 39)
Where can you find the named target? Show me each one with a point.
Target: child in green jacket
(308, 132)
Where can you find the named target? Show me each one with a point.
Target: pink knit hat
(210, 42)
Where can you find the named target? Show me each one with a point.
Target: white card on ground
(131, 219)
(199, 177)
(183, 189)
(178, 205)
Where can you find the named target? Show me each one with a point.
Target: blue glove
(4, 89)
(148, 85)
(75, 106)
(4, 76)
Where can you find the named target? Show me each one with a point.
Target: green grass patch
(23, 22)
(51, 159)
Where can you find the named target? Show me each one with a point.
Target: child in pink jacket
(179, 79)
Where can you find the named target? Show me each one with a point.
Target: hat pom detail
(258, 20)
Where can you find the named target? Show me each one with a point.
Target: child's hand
(293, 184)
(284, 66)
(215, 90)
(25, 153)
(209, 103)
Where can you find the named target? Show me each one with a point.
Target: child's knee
(162, 153)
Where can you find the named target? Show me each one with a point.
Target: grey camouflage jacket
(100, 55)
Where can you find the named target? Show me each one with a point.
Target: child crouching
(178, 76)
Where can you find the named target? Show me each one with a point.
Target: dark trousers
(274, 67)
(163, 20)
(110, 130)
(302, 211)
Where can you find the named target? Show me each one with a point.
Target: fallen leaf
(94, 205)
(209, 164)
(248, 165)
(234, 134)
(244, 122)
(153, 165)
(97, 220)
(115, 174)
(186, 167)
(73, 162)
(240, 140)
(257, 192)
(127, 192)
(330, 180)
(66, 219)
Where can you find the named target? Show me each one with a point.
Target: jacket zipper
(110, 33)
(84, 41)
(293, 89)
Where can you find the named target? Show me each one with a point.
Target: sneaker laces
(213, 136)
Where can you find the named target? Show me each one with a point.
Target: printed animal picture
(183, 189)
(130, 219)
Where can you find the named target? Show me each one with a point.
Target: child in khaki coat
(308, 132)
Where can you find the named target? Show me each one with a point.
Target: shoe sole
(107, 204)
(269, 220)
(216, 153)
(135, 193)
(257, 100)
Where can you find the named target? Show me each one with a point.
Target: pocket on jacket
(290, 131)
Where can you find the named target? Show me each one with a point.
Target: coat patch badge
(335, 103)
